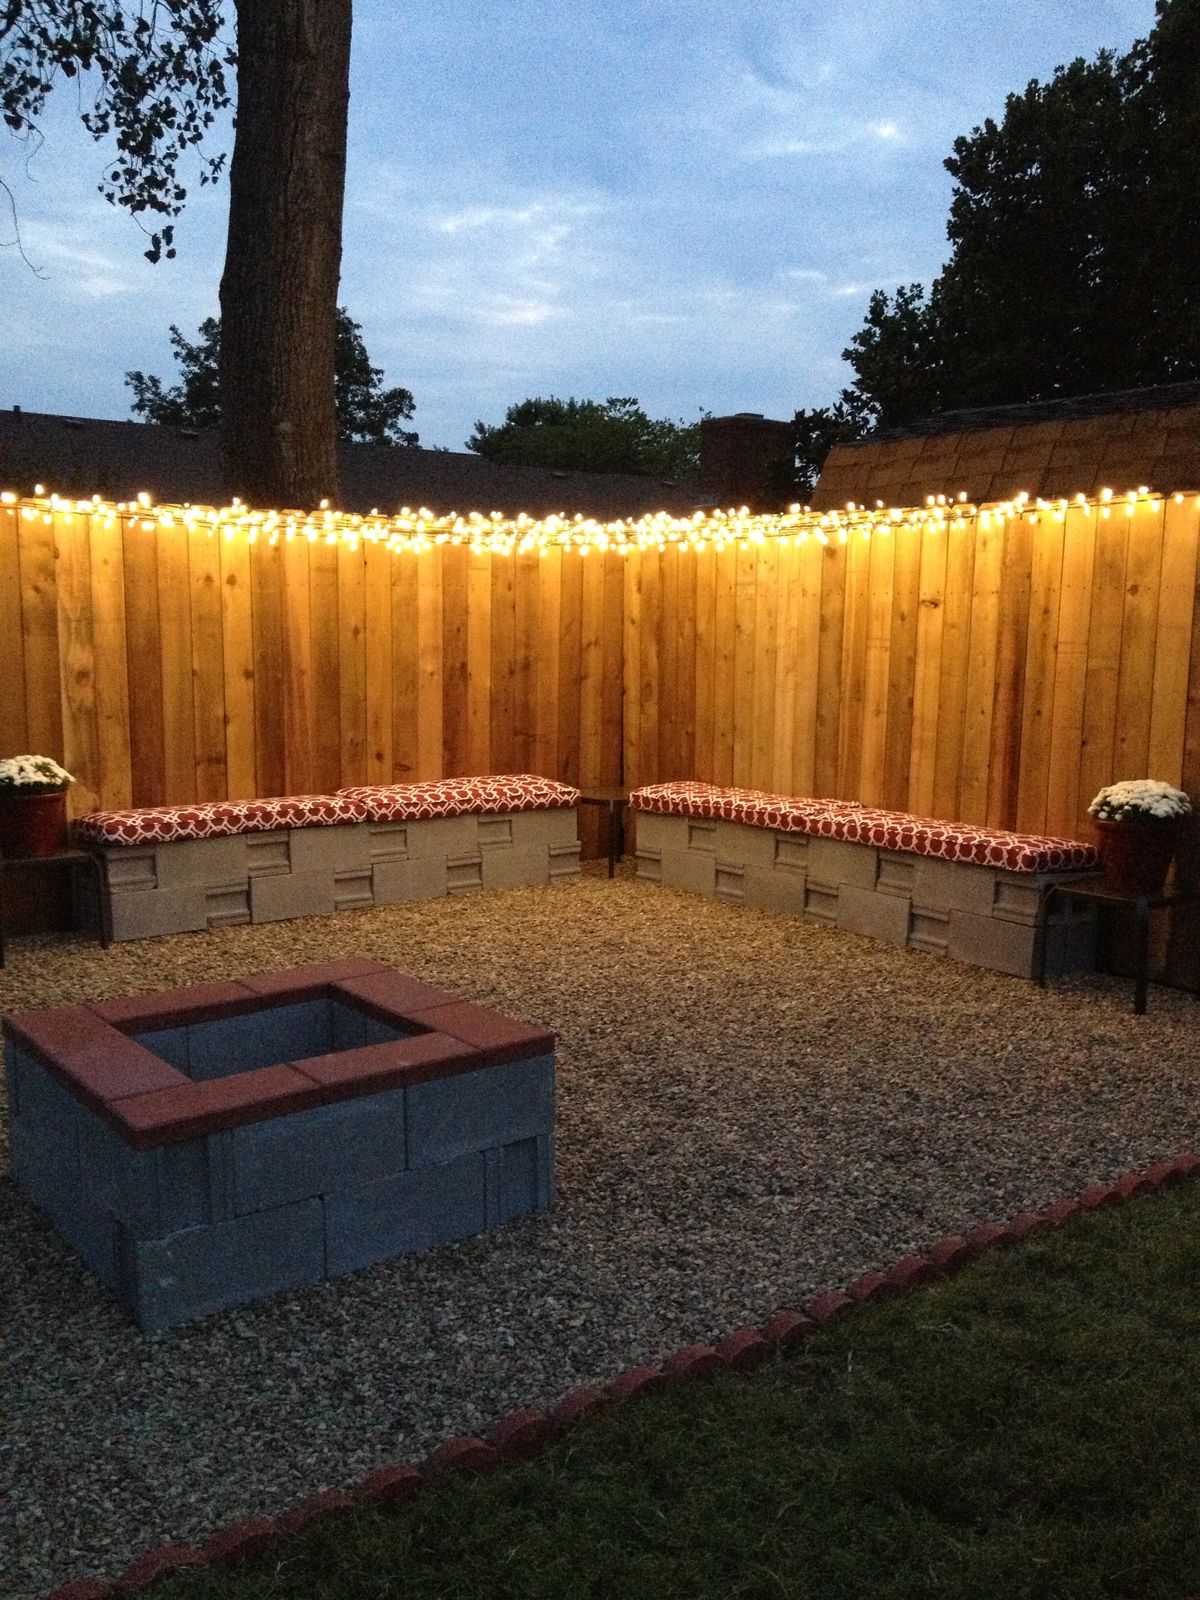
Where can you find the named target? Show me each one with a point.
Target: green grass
(1026, 1429)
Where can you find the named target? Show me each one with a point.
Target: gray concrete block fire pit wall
(208, 1146)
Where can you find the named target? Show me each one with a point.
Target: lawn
(1025, 1429)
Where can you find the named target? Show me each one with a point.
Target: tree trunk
(283, 256)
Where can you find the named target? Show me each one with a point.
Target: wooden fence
(997, 673)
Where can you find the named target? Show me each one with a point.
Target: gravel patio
(750, 1108)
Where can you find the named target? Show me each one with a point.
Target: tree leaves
(587, 436)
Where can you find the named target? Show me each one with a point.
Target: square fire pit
(211, 1145)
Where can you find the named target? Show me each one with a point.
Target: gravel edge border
(524, 1434)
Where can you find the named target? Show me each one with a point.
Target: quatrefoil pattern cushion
(212, 819)
(458, 797)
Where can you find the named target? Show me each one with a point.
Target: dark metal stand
(1097, 889)
(76, 862)
(615, 801)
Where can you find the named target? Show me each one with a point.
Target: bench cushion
(214, 818)
(457, 797)
(887, 830)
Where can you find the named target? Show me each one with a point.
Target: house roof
(1119, 440)
(118, 460)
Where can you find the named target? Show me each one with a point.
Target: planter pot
(31, 824)
(1136, 855)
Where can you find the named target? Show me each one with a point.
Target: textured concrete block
(130, 867)
(896, 873)
(657, 833)
(476, 1110)
(296, 894)
(929, 931)
(694, 870)
(45, 1168)
(411, 1211)
(496, 833)
(520, 1179)
(353, 890)
(820, 902)
(991, 942)
(415, 878)
(321, 1151)
(791, 852)
(515, 866)
(551, 828)
(227, 907)
(701, 835)
(648, 865)
(738, 842)
(268, 853)
(151, 1192)
(878, 916)
(145, 913)
(837, 861)
(35, 1095)
(730, 882)
(953, 886)
(202, 1270)
(335, 849)
(564, 861)
(1018, 897)
(444, 836)
(776, 889)
(464, 874)
(352, 1028)
(202, 863)
(259, 1039)
(388, 841)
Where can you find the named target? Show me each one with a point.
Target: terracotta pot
(31, 824)
(1136, 855)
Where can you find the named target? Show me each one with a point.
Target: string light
(494, 533)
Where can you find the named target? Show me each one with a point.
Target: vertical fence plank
(787, 669)
(570, 670)
(237, 639)
(299, 720)
(114, 778)
(765, 645)
(430, 685)
(612, 751)
(455, 567)
(1104, 655)
(745, 613)
(377, 617)
(77, 658)
(706, 661)
(1065, 813)
(266, 584)
(325, 690)
(14, 739)
(650, 638)
(954, 667)
(1139, 626)
(902, 668)
(208, 664)
(175, 663)
(352, 663)
(877, 667)
(503, 693)
(725, 664)
(405, 671)
(39, 635)
(931, 603)
(854, 668)
(1172, 645)
(1015, 581)
(809, 561)
(479, 662)
(547, 663)
(1037, 707)
(833, 564)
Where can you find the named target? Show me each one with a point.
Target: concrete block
(497, 833)
(444, 836)
(405, 878)
(35, 1095)
(202, 1270)
(150, 1192)
(564, 861)
(701, 835)
(475, 1110)
(277, 897)
(953, 886)
(776, 889)
(820, 902)
(1018, 896)
(410, 1211)
(202, 863)
(559, 827)
(168, 1044)
(648, 865)
(749, 846)
(878, 916)
(896, 873)
(335, 849)
(464, 874)
(320, 1151)
(516, 866)
(520, 1179)
(838, 861)
(228, 906)
(791, 852)
(656, 833)
(388, 841)
(694, 870)
(992, 942)
(259, 1039)
(145, 913)
(268, 853)
(45, 1168)
(929, 931)
(352, 890)
(131, 867)
(730, 882)
(352, 1029)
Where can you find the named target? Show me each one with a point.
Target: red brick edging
(524, 1434)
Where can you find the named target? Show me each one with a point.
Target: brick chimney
(745, 460)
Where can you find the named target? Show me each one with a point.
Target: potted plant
(1139, 823)
(33, 806)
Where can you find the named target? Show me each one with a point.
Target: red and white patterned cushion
(459, 797)
(889, 830)
(214, 818)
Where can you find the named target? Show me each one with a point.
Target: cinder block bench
(177, 869)
(948, 888)
(206, 1146)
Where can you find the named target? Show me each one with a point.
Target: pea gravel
(750, 1109)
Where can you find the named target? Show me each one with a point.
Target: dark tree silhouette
(590, 436)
